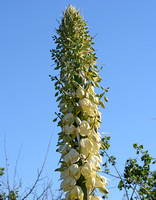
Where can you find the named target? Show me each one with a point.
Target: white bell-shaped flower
(86, 146)
(86, 169)
(64, 173)
(90, 182)
(68, 183)
(74, 171)
(84, 129)
(77, 193)
(69, 129)
(71, 157)
(94, 161)
(85, 104)
(64, 148)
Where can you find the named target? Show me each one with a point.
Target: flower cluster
(79, 140)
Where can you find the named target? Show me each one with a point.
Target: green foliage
(1, 171)
(138, 176)
(138, 181)
(11, 195)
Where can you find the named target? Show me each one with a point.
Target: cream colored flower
(64, 173)
(68, 183)
(100, 183)
(90, 182)
(64, 148)
(76, 193)
(102, 179)
(89, 107)
(86, 146)
(85, 104)
(94, 107)
(103, 190)
(95, 137)
(96, 146)
(84, 129)
(71, 157)
(74, 171)
(69, 129)
(94, 161)
(96, 197)
(86, 169)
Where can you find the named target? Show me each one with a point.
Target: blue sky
(125, 43)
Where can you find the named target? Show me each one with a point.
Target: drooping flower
(71, 157)
(86, 146)
(84, 129)
(86, 169)
(64, 148)
(74, 171)
(69, 129)
(90, 181)
(77, 193)
(68, 183)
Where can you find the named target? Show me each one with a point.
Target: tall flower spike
(79, 141)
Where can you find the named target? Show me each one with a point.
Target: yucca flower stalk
(79, 117)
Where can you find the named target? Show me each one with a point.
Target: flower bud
(91, 89)
(80, 93)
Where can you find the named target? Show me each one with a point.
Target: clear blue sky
(126, 44)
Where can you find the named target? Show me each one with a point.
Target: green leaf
(54, 120)
(135, 145)
(56, 94)
(101, 104)
(106, 99)
(60, 169)
(59, 98)
(91, 97)
(71, 121)
(56, 68)
(96, 84)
